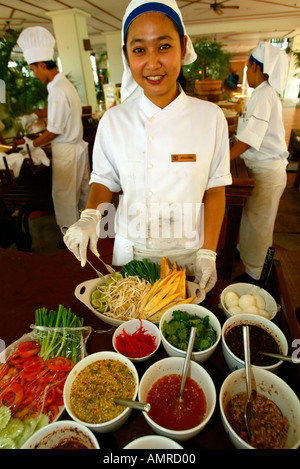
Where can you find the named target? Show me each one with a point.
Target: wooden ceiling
(239, 29)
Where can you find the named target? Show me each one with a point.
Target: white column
(114, 54)
(70, 30)
(293, 82)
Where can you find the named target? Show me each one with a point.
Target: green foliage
(24, 92)
(212, 61)
(177, 331)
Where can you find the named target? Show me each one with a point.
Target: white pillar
(293, 82)
(114, 54)
(70, 30)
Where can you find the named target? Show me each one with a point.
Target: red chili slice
(28, 348)
(8, 377)
(3, 370)
(52, 412)
(12, 396)
(60, 364)
(33, 364)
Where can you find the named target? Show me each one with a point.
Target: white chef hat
(37, 44)
(129, 87)
(274, 62)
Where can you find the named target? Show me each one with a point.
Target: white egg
(246, 300)
(251, 309)
(264, 313)
(231, 299)
(259, 301)
(235, 309)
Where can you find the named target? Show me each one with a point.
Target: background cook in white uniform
(133, 151)
(70, 163)
(261, 143)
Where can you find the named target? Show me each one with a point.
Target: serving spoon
(281, 357)
(248, 411)
(145, 406)
(187, 360)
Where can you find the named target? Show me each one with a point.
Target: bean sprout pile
(120, 298)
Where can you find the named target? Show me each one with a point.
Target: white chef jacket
(262, 126)
(266, 159)
(70, 164)
(161, 205)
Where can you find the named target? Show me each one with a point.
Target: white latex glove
(29, 142)
(206, 269)
(28, 120)
(82, 234)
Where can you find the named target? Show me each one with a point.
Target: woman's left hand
(206, 269)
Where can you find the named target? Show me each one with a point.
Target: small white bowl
(174, 365)
(274, 388)
(199, 357)
(117, 422)
(58, 432)
(233, 362)
(133, 325)
(153, 442)
(247, 288)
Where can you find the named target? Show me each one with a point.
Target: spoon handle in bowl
(187, 360)
(134, 404)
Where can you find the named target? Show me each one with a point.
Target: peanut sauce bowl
(273, 388)
(233, 361)
(63, 434)
(170, 367)
(104, 426)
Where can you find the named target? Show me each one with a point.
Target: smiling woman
(155, 59)
(178, 154)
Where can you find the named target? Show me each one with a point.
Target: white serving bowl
(117, 422)
(233, 362)
(57, 432)
(174, 365)
(84, 290)
(133, 325)
(247, 288)
(274, 388)
(197, 310)
(153, 442)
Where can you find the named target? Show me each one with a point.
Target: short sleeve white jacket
(262, 126)
(64, 110)
(163, 160)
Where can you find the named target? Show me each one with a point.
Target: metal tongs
(110, 269)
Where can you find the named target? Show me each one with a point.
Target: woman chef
(166, 151)
(261, 143)
(70, 163)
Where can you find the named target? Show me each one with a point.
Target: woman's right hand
(83, 233)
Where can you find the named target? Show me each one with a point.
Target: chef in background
(166, 151)
(260, 141)
(70, 162)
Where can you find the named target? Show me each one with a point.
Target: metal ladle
(248, 411)
(187, 360)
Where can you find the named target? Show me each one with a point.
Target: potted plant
(23, 91)
(207, 74)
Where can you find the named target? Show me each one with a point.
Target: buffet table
(30, 281)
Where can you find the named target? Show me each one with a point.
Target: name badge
(183, 158)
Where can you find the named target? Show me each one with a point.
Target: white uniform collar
(57, 77)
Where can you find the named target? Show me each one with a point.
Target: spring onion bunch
(58, 333)
(144, 269)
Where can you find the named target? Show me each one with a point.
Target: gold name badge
(183, 158)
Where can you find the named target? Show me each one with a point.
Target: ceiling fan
(218, 7)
